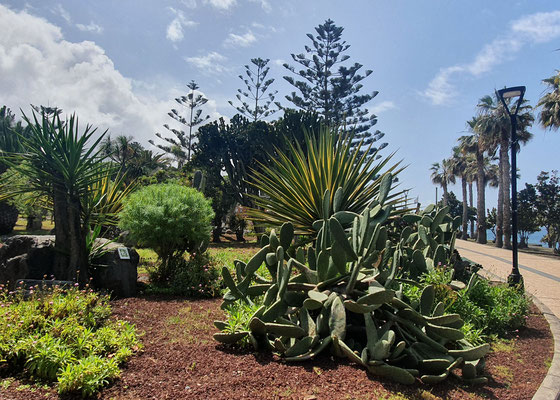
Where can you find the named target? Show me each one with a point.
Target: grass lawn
(224, 254)
(20, 229)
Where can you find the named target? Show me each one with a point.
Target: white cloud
(539, 27)
(534, 28)
(92, 27)
(221, 4)
(175, 27)
(382, 107)
(61, 12)
(189, 3)
(265, 5)
(209, 64)
(245, 40)
(266, 29)
(38, 66)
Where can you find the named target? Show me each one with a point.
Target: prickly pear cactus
(344, 295)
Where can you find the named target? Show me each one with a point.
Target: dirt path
(541, 274)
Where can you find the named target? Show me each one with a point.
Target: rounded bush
(168, 218)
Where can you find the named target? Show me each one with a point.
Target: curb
(550, 386)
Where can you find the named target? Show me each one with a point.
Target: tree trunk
(216, 233)
(506, 223)
(465, 208)
(70, 242)
(471, 205)
(500, 211)
(444, 187)
(480, 199)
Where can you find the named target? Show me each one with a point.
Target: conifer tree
(181, 145)
(257, 85)
(331, 88)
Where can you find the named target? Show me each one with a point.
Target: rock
(32, 257)
(114, 274)
(8, 217)
(26, 256)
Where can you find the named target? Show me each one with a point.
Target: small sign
(123, 253)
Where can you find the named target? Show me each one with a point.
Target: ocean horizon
(534, 238)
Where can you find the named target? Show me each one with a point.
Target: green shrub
(64, 336)
(195, 277)
(170, 219)
(487, 309)
(496, 309)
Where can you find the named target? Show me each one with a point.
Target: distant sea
(534, 238)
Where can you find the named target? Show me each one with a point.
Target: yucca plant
(292, 186)
(59, 162)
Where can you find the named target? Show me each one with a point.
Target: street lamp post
(515, 277)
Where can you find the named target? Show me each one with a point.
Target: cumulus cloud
(38, 66)
(221, 4)
(212, 63)
(175, 27)
(92, 27)
(531, 29)
(244, 40)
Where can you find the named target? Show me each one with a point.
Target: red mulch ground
(181, 361)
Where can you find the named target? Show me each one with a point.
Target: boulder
(32, 257)
(26, 256)
(113, 273)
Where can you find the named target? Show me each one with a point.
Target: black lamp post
(509, 93)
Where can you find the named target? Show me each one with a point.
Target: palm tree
(477, 145)
(549, 103)
(442, 174)
(471, 178)
(460, 166)
(145, 162)
(120, 150)
(494, 123)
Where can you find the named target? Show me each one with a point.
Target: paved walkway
(541, 274)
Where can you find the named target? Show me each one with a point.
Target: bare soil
(180, 360)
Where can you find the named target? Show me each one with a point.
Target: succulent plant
(344, 294)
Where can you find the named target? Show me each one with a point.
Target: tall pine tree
(331, 88)
(257, 85)
(181, 145)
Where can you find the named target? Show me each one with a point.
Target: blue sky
(119, 64)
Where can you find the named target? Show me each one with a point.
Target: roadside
(541, 273)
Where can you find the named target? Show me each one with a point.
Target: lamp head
(511, 92)
(516, 91)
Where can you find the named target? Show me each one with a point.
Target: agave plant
(292, 186)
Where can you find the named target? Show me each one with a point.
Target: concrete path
(541, 274)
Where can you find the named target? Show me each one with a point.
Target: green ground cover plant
(64, 336)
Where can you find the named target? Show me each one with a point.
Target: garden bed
(182, 361)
